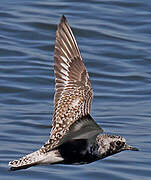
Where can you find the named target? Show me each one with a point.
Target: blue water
(115, 41)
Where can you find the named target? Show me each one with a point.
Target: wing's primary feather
(71, 119)
(73, 89)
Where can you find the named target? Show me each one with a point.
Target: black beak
(128, 147)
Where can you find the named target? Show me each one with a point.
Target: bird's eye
(118, 143)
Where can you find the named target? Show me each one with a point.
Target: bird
(75, 137)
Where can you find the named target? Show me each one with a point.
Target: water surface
(114, 39)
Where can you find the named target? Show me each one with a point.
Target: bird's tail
(35, 158)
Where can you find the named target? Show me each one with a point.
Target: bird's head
(112, 144)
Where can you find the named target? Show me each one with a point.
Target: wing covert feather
(73, 94)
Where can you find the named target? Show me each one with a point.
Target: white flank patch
(51, 158)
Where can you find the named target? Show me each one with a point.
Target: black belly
(75, 152)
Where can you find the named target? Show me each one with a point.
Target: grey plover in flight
(74, 137)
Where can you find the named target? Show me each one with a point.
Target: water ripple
(114, 38)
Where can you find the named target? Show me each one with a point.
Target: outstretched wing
(73, 95)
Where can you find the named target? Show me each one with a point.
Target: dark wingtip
(63, 19)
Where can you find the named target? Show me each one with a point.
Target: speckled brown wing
(73, 94)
